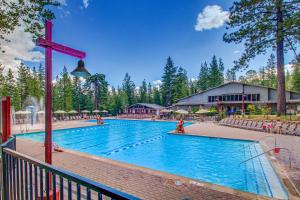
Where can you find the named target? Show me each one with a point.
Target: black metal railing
(27, 178)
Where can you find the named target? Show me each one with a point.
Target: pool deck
(150, 184)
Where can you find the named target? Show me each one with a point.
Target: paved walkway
(27, 128)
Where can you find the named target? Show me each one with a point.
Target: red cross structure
(49, 46)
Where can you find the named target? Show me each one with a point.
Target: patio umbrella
(85, 111)
(60, 112)
(184, 112)
(202, 111)
(22, 112)
(96, 111)
(104, 111)
(166, 111)
(72, 112)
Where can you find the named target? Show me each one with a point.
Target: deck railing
(27, 178)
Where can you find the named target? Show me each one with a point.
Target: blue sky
(136, 36)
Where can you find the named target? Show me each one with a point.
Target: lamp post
(79, 71)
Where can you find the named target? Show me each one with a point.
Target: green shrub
(252, 109)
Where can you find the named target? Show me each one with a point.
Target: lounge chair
(232, 122)
(291, 129)
(258, 126)
(253, 125)
(285, 127)
(221, 122)
(245, 123)
(296, 131)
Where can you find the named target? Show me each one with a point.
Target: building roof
(228, 83)
(149, 105)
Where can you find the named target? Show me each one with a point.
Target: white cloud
(193, 79)
(62, 2)
(19, 48)
(157, 82)
(236, 52)
(85, 3)
(212, 16)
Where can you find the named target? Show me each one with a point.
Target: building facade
(143, 109)
(232, 96)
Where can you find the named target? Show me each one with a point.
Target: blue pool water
(148, 144)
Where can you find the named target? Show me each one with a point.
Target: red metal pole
(6, 132)
(243, 104)
(48, 97)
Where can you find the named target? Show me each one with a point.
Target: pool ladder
(273, 149)
(268, 136)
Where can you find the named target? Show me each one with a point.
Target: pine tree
(34, 85)
(101, 90)
(262, 76)
(156, 96)
(2, 80)
(221, 71)
(149, 93)
(77, 93)
(181, 84)
(168, 83)
(32, 13)
(66, 90)
(270, 71)
(56, 95)
(296, 78)
(252, 77)
(10, 89)
(129, 89)
(262, 25)
(288, 80)
(22, 83)
(230, 75)
(192, 87)
(214, 74)
(143, 92)
(203, 78)
(41, 76)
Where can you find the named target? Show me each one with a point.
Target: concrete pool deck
(151, 184)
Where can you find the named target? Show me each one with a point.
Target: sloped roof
(149, 105)
(228, 83)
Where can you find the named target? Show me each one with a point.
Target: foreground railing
(27, 178)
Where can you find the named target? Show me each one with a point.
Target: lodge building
(230, 96)
(143, 109)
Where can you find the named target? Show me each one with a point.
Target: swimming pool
(148, 144)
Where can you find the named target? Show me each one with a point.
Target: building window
(249, 97)
(253, 97)
(209, 98)
(232, 98)
(258, 97)
(240, 97)
(236, 97)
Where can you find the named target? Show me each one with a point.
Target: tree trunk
(281, 97)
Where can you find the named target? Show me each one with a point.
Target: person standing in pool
(100, 121)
